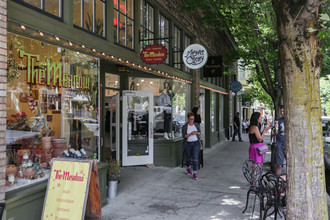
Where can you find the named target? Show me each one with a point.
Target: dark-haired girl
(256, 138)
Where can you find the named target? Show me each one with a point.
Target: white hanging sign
(195, 56)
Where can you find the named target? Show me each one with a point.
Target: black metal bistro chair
(273, 195)
(252, 171)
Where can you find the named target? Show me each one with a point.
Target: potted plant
(114, 173)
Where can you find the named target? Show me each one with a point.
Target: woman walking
(256, 138)
(191, 134)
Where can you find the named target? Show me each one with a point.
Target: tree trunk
(300, 67)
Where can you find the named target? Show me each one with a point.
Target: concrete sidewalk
(169, 193)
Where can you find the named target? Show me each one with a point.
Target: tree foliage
(325, 94)
(253, 25)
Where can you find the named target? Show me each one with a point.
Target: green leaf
(311, 30)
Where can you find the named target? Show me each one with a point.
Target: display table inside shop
(13, 136)
(26, 201)
(168, 152)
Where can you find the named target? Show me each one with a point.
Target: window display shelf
(21, 183)
(14, 136)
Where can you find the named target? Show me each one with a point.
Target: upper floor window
(147, 24)
(164, 34)
(90, 15)
(53, 7)
(187, 42)
(177, 48)
(123, 21)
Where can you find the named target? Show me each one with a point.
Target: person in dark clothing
(191, 134)
(237, 127)
(280, 154)
(196, 112)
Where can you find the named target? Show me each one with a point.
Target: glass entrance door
(112, 131)
(137, 128)
(202, 112)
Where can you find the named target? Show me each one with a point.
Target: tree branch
(262, 82)
(310, 7)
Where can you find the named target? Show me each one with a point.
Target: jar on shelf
(11, 171)
(23, 154)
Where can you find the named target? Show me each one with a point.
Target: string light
(22, 26)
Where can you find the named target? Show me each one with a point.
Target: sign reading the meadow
(154, 54)
(67, 190)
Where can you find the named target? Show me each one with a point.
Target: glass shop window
(177, 48)
(169, 104)
(147, 33)
(52, 108)
(90, 15)
(53, 7)
(123, 21)
(164, 34)
(187, 42)
(213, 110)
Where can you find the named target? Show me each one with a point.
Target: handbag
(262, 149)
(201, 144)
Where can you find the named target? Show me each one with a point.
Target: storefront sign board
(235, 86)
(67, 189)
(213, 67)
(154, 54)
(195, 56)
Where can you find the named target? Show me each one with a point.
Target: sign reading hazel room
(195, 56)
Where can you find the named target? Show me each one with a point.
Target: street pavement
(169, 193)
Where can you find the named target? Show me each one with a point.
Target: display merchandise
(52, 108)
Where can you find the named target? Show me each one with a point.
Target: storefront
(76, 82)
(52, 110)
(154, 111)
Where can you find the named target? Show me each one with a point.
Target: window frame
(82, 25)
(117, 34)
(163, 37)
(177, 59)
(42, 9)
(144, 28)
(185, 45)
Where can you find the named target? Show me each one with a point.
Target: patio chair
(273, 195)
(252, 171)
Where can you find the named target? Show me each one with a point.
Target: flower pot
(112, 189)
